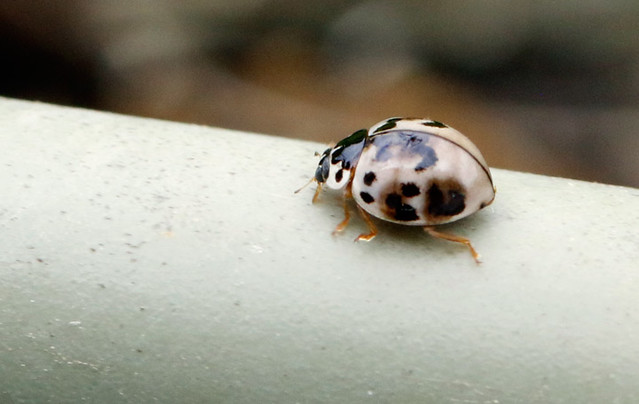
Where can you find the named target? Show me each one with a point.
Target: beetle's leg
(347, 215)
(457, 239)
(372, 230)
(317, 191)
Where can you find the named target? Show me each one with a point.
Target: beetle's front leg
(347, 214)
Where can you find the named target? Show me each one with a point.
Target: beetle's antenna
(305, 185)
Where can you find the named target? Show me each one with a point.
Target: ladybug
(415, 172)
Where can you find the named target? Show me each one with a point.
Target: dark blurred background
(542, 86)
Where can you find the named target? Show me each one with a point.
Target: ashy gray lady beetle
(416, 172)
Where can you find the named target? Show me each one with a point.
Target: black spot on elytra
(390, 124)
(447, 202)
(393, 200)
(339, 175)
(434, 124)
(366, 197)
(406, 213)
(369, 177)
(409, 189)
(386, 126)
(399, 210)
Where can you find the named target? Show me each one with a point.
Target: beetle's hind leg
(457, 239)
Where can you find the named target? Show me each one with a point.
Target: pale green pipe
(144, 260)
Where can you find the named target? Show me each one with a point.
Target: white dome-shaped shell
(420, 172)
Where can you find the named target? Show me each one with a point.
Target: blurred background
(548, 87)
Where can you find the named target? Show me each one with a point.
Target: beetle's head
(323, 167)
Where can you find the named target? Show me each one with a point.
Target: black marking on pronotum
(349, 149)
(355, 138)
(402, 211)
(449, 202)
(344, 144)
(409, 189)
(366, 197)
(369, 177)
(321, 173)
(339, 175)
(434, 124)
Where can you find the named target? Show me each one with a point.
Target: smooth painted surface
(147, 261)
